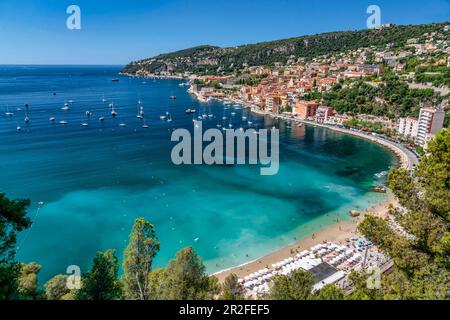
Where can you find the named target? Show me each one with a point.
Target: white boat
(145, 126)
(7, 113)
(18, 128)
(244, 118)
(163, 117)
(224, 118)
(26, 119)
(233, 114)
(66, 107)
(102, 118)
(52, 119)
(113, 113)
(88, 113)
(122, 125)
(140, 114)
(85, 124)
(63, 122)
(250, 123)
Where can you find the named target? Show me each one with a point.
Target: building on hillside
(408, 127)
(323, 113)
(273, 103)
(306, 109)
(338, 119)
(431, 121)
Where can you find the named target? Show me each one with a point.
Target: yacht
(63, 122)
(122, 125)
(52, 119)
(85, 124)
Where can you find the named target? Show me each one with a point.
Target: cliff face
(216, 60)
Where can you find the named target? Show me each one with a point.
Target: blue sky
(117, 31)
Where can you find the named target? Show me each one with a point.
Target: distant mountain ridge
(215, 60)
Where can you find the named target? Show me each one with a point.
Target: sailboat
(113, 112)
(26, 119)
(140, 114)
(7, 113)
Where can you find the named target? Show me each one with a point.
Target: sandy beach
(337, 233)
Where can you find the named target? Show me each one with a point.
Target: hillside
(216, 60)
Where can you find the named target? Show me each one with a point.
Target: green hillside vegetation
(214, 60)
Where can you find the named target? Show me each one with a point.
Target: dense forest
(215, 60)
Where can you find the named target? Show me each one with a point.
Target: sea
(88, 184)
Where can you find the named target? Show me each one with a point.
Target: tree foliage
(56, 288)
(138, 257)
(295, 286)
(187, 278)
(13, 219)
(232, 289)
(101, 282)
(28, 286)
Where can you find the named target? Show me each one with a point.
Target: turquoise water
(95, 181)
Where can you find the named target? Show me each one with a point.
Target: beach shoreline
(336, 233)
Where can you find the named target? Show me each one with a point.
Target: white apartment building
(431, 121)
(408, 127)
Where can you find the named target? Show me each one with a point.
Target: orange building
(306, 109)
